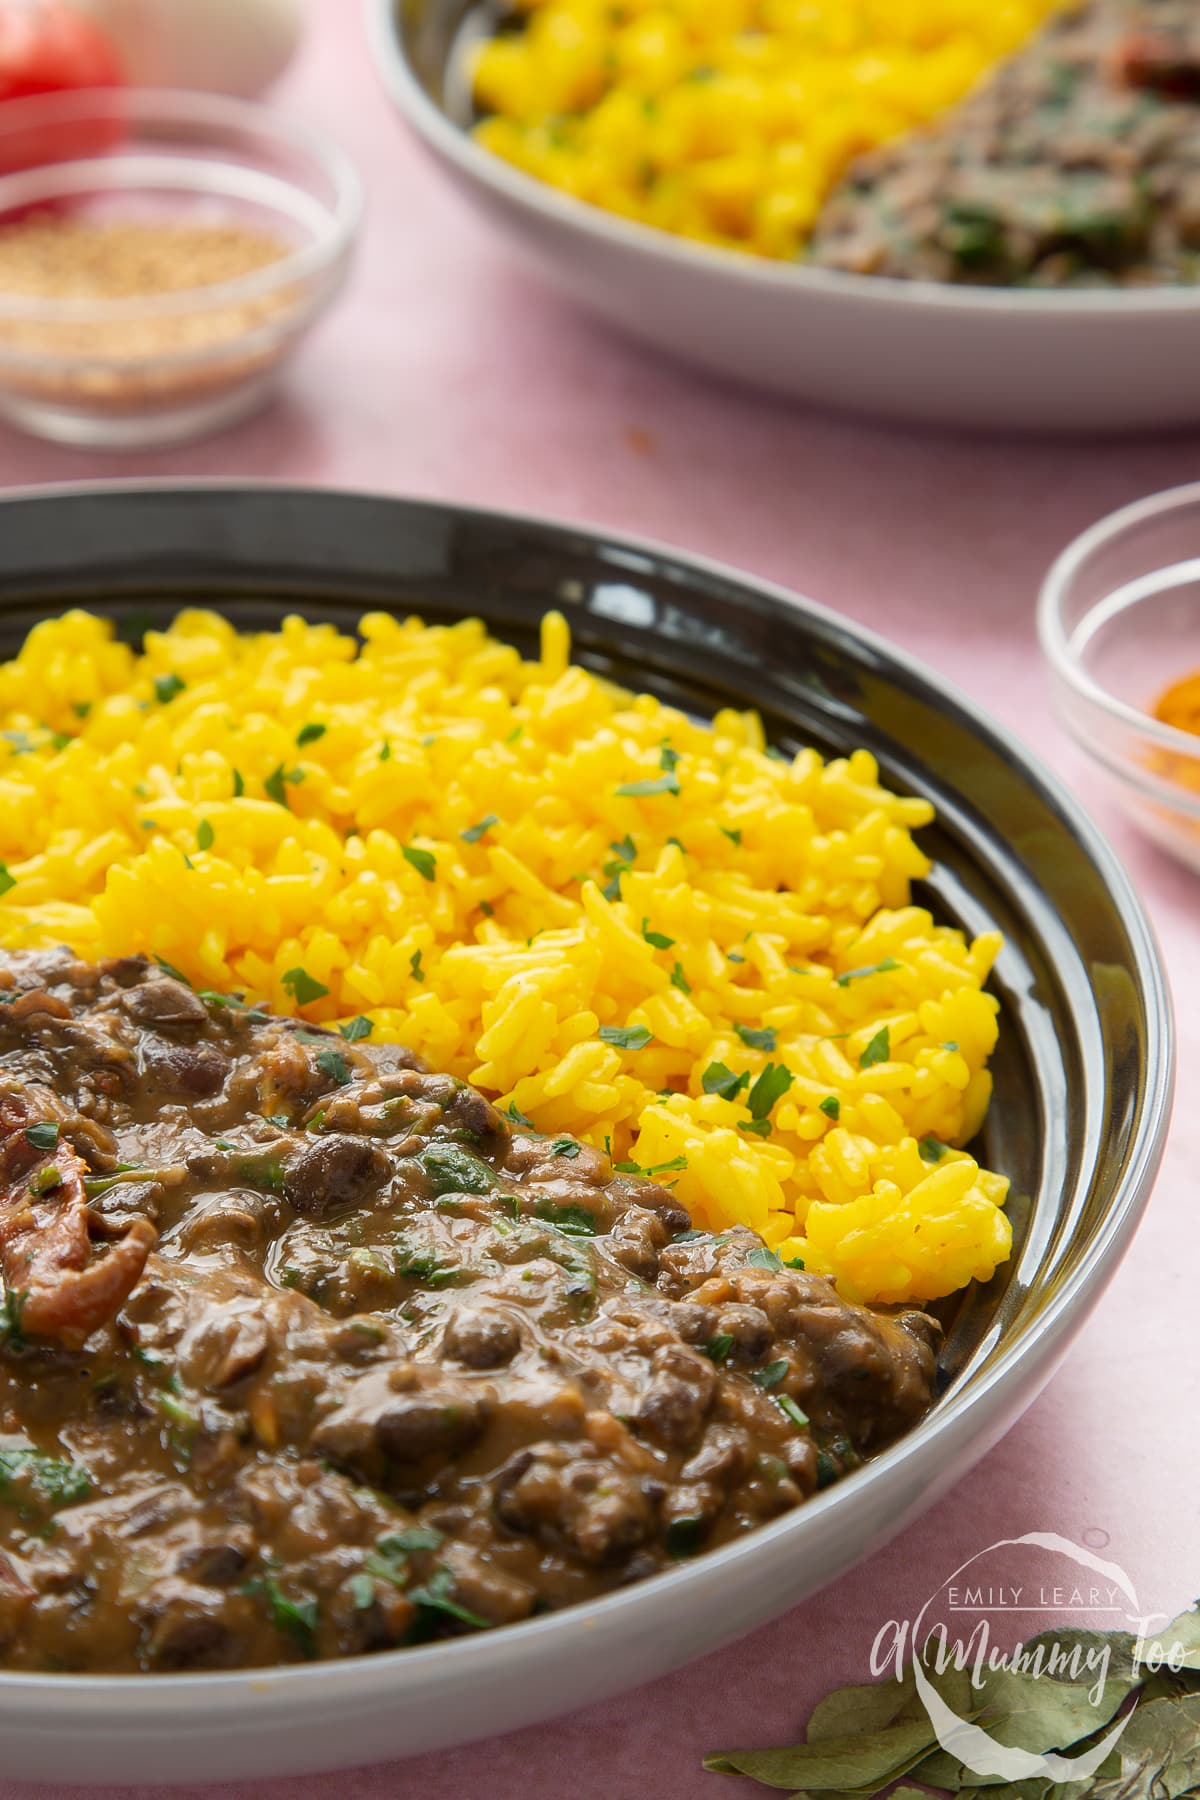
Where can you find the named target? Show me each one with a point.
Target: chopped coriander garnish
(762, 1258)
(757, 1038)
(771, 1376)
(565, 1146)
(735, 837)
(423, 861)
(735, 956)
(473, 833)
(950, 1044)
(166, 687)
(831, 1106)
(680, 980)
(717, 1348)
(303, 987)
(666, 1168)
(437, 1595)
(414, 966)
(81, 708)
(356, 1029)
(43, 1137)
(626, 849)
(331, 1062)
(717, 1079)
(170, 969)
(755, 1127)
(667, 758)
(641, 790)
(385, 755)
(679, 846)
(239, 786)
(656, 938)
(204, 835)
(885, 967)
(7, 880)
(771, 1086)
(308, 734)
(514, 1112)
(626, 1037)
(274, 783)
(787, 1405)
(878, 1050)
(932, 1149)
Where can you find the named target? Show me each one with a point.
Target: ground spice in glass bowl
(155, 289)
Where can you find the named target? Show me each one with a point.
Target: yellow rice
(172, 801)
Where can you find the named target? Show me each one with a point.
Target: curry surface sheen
(308, 1352)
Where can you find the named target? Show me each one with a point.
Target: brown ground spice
(73, 259)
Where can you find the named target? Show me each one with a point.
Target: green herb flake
(932, 1149)
(717, 1079)
(679, 979)
(385, 754)
(626, 849)
(770, 1087)
(683, 1537)
(356, 1029)
(423, 861)
(831, 1106)
(757, 1038)
(333, 1064)
(473, 833)
(453, 1170)
(46, 1179)
(575, 1221)
(681, 847)
(8, 881)
(656, 938)
(361, 1590)
(437, 1595)
(239, 786)
(886, 967)
(28, 1474)
(735, 837)
(762, 1258)
(81, 708)
(513, 1111)
(567, 1147)
(295, 1617)
(755, 1127)
(308, 734)
(166, 687)
(787, 1405)
(42, 1137)
(274, 787)
(626, 1037)
(414, 966)
(303, 987)
(770, 1376)
(204, 835)
(717, 1348)
(878, 1050)
(642, 790)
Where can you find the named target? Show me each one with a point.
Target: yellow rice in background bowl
(651, 933)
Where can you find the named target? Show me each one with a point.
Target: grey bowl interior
(1083, 1076)
(1082, 1071)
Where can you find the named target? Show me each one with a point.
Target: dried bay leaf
(869, 1707)
(866, 1761)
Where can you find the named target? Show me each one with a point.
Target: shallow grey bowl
(975, 358)
(1083, 1073)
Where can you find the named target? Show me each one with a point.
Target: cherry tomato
(46, 47)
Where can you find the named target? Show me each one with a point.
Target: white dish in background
(922, 352)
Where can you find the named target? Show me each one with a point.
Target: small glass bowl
(1119, 620)
(159, 368)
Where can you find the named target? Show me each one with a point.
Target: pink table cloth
(446, 372)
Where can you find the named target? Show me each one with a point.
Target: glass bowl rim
(1052, 632)
(220, 112)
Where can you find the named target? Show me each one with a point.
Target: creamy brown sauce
(308, 1352)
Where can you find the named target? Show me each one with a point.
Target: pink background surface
(446, 372)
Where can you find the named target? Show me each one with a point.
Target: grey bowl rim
(482, 169)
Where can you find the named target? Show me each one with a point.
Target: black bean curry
(306, 1351)
(1077, 164)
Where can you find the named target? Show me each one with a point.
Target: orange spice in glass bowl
(1119, 621)
(155, 287)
